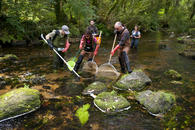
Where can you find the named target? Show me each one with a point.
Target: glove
(50, 44)
(81, 43)
(114, 50)
(66, 47)
(96, 50)
(115, 32)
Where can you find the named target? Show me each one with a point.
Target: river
(62, 93)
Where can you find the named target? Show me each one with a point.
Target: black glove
(50, 44)
(115, 31)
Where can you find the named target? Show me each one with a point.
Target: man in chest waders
(123, 46)
(58, 39)
(87, 48)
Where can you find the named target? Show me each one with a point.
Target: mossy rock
(95, 88)
(156, 102)
(173, 74)
(192, 31)
(137, 80)
(18, 102)
(110, 102)
(8, 57)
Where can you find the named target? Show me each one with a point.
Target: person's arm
(124, 38)
(97, 46)
(82, 42)
(49, 37)
(139, 35)
(96, 30)
(66, 46)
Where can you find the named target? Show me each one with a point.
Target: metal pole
(61, 58)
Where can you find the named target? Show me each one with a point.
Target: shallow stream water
(61, 94)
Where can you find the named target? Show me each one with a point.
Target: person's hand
(115, 31)
(64, 50)
(50, 44)
(112, 52)
(115, 49)
(95, 52)
(66, 47)
(81, 47)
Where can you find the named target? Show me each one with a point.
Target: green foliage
(27, 19)
(83, 114)
(26, 85)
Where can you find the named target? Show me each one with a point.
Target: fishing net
(90, 66)
(108, 71)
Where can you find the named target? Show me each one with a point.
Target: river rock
(173, 74)
(8, 57)
(190, 53)
(156, 102)
(2, 82)
(188, 40)
(95, 88)
(111, 102)
(33, 79)
(177, 82)
(18, 102)
(137, 80)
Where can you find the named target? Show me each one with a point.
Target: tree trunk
(0, 6)
(193, 11)
(60, 16)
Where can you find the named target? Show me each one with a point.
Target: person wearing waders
(58, 39)
(87, 48)
(92, 28)
(122, 47)
(136, 35)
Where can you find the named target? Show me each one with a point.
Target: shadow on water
(62, 92)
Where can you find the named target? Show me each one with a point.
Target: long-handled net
(72, 61)
(107, 69)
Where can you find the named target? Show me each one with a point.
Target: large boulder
(111, 102)
(137, 80)
(18, 102)
(156, 102)
(173, 74)
(8, 57)
(95, 88)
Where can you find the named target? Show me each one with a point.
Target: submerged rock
(111, 102)
(156, 102)
(137, 80)
(177, 82)
(2, 82)
(18, 102)
(95, 88)
(173, 74)
(33, 79)
(188, 53)
(8, 57)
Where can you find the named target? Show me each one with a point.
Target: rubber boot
(127, 63)
(90, 59)
(78, 63)
(121, 64)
